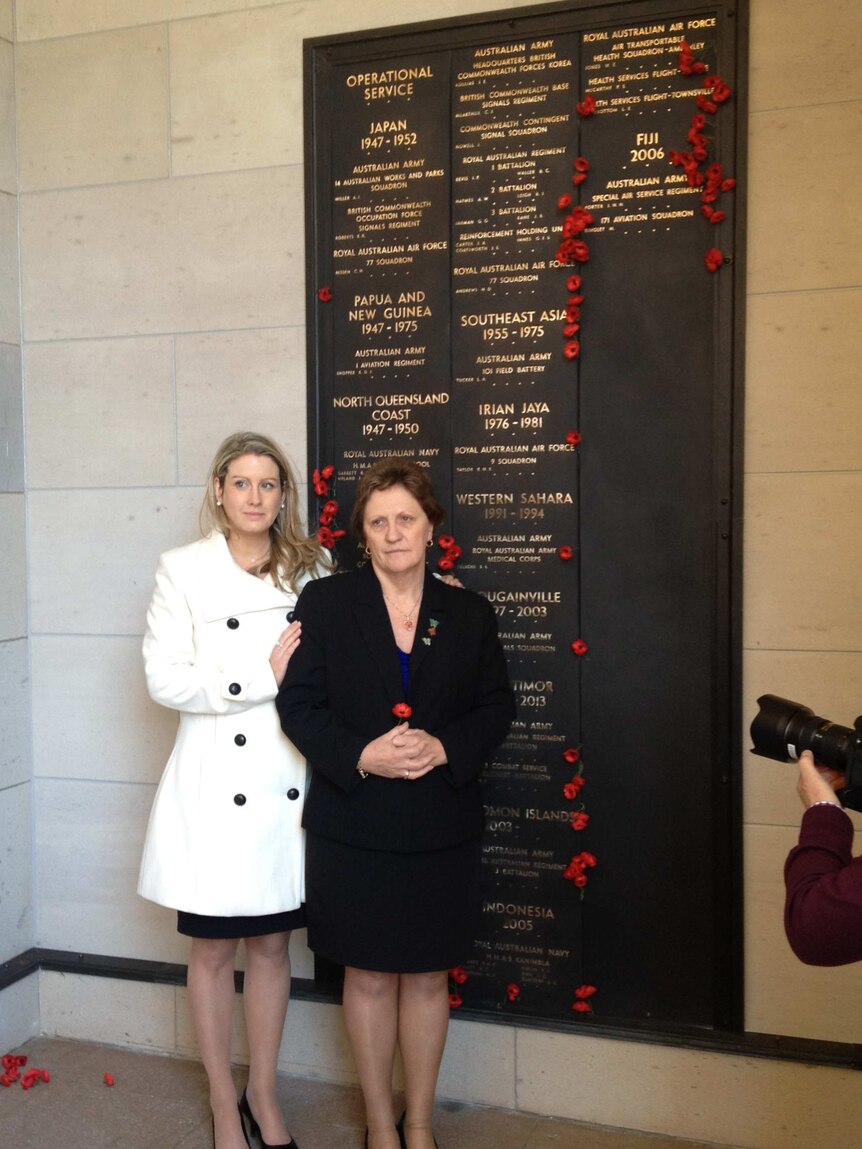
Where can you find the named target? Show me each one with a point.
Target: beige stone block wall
(106, 119)
(207, 253)
(8, 165)
(85, 393)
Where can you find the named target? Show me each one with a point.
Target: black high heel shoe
(251, 1129)
(401, 1135)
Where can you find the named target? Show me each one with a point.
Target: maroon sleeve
(823, 909)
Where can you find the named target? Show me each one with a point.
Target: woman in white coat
(224, 845)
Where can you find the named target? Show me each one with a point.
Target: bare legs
(423, 1020)
(411, 1011)
(267, 989)
(211, 998)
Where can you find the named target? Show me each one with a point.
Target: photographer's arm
(823, 909)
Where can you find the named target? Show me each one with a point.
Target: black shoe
(402, 1138)
(251, 1129)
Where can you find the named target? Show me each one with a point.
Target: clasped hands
(403, 752)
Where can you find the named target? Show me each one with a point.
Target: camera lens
(783, 729)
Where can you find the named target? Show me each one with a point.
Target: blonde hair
(292, 553)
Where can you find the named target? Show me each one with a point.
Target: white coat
(224, 835)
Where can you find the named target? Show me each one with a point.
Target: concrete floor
(160, 1103)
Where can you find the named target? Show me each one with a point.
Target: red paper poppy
(572, 789)
(458, 974)
(446, 564)
(698, 122)
(572, 349)
(573, 438)
(576, 300)
(571, 755)
(584, 991)
(582, 164)
(728, 184)
(573, 313)
(327, 472)
(573, 251)
(706, 105)
(717, 217)
(579, 647)
(324, 294)
(321, 488)
(565, 553)
(446, 541)
(454, 552)
(587, 106)
(326, 519)
(513, 991)
(33, 1077)
(721, 93)
(330, 507)
(713, 259)
(588, 859)
(582, 1007)
(573, 283)
(455, 1001)
(326, 538)
(571, 329)
(579, 178)
(564, 202)
(108, 1079)
(580, 820)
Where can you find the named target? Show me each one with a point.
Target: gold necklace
(407, 621)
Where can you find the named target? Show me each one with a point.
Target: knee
(369, 983)
(213, 954)
(433, 984)
(268, 948)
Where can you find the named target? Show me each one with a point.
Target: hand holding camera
(784, 730)
(817, 784)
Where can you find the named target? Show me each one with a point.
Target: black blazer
(339, 690)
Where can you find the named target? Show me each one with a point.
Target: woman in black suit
(397, 695)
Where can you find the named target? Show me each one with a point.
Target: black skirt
(207, 926)
(392, 912)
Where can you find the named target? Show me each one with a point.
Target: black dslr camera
(783, 729)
